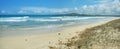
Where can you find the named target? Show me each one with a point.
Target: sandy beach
(59, 24)
(42, 41)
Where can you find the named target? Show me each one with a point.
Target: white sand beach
(42, 41)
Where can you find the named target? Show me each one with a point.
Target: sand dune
(105, 36)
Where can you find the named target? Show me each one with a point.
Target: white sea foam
(27, 18)
(73, 18)
(14, 19)
(57, 17)
(78, 18)
(43, 19)
(43, 27)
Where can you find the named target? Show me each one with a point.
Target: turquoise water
(45, 24)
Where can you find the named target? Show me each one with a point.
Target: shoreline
(43, 40)
(48, 29)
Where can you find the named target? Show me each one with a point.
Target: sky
(103, 7)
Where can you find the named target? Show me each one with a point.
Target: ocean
(45, 24)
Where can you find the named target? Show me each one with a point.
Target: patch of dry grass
(106, 36)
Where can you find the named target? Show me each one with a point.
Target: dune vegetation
(106, 36)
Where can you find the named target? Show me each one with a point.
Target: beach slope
(68, 38)
(106, 36)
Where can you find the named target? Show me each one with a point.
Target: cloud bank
(107, 7)
(42, 10)
(103, 7)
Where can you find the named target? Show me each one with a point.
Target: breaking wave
(27, 18)
(14, 19)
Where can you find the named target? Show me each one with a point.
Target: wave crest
(27, 18)
(14, 19)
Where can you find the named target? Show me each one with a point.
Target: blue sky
(59, 6)
(43, 3)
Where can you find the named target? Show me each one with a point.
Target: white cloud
(39, 10)
(2, 11)
(103, 7)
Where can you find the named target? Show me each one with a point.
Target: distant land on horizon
(67, 14)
